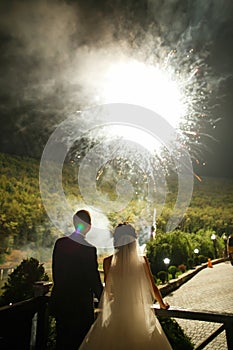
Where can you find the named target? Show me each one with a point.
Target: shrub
(176, 245)
(172, 270)
(178, 273)
(190, 263)
(162, 275)
(51, 342)
(202, 259)
(182, 268)
(19, 285)
(175, 334)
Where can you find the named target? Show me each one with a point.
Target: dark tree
(19, 285)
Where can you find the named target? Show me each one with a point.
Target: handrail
(225, 318)
(12, 319)
(16, 324)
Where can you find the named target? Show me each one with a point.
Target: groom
(76, 279)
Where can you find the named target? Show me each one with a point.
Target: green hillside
(25, 225)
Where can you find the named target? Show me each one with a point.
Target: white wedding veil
(127, 296)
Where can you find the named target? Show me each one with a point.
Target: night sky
(48, 49)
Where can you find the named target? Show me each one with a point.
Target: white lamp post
(225, 245)
(213, 237)
(166, 262)
(196, 251)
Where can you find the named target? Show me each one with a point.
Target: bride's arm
(155, 291)
(106, 266)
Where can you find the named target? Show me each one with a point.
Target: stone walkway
(210, 290)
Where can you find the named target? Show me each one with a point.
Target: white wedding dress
(126, 320)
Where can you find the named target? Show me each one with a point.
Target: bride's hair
(124, 234)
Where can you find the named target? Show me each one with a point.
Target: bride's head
(124, 234)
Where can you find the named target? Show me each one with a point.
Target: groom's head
(82, 221)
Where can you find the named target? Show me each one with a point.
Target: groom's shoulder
(61, 240)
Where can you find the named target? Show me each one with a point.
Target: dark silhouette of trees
(19, 285)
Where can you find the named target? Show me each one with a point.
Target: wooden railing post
(229, 334)
(42, 324)
(40, 290)
(224, 318)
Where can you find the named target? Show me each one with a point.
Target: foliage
(19, 285)
(162, 275)
(175, 245)
(21, 206)
(210, 207)
(201, 240)
(51, 342)
(23, 220)
(172, 270)
(175, 334)
(182, 267)
(190, 263)
(202, 259)
(179, 247)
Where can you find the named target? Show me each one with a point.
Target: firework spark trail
(131, 156)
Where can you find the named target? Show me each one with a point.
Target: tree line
(23, 219)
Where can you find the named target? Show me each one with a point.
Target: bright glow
(135, 82)
(136, 135)
(166, 261)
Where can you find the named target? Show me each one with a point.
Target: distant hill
(23, 221)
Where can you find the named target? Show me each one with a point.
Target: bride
(126, 320)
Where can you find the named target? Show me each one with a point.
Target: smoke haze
(53, 54)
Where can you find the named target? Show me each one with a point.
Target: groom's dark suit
(76, 279)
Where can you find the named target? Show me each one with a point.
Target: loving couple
(126, 319)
